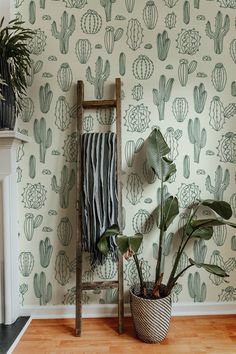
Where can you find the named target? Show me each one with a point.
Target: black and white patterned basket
(151, 317)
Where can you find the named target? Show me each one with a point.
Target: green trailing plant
(42, 136)
(192, 226)
(15, 53)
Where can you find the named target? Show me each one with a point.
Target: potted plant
(151, 301)
(14, 65)
(2, 83)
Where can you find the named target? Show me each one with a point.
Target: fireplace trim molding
(9, 142)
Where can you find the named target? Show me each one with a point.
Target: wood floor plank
(195, 335)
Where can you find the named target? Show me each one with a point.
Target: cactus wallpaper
(177, 62)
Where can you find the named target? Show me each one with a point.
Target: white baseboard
(96, 311)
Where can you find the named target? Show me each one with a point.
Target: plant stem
(178, 275)
(139, 273)
(161, 223)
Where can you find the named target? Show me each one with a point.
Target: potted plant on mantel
(14, 65)
(151, 301)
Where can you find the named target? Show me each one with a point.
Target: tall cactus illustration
(122, 64)
(32, 12)
(197, 137)
(233, 243)
(27, 109)
(186, 166)
(233, 88)
(26, 263)
(163, 45)
(199, 251)
(221, 29)
(101, 75)
(134, 34)
(170, 20)
(33, 69)
(43, 137)
(67, 28)
(65, 231)
(62, 114)
(185, 69)
(221, 183)
(67, 183)
(45, 98)
(65, 77)
(232, 49)
(83, 49)
(219, 235)
(107, 4)
(129, 5)
(216, 113)
(134, 188)
(161, 96)
(199, 97)
(45, 252)
(150, 15)
(42, 291)
(197, 291)
(42, 4)
(32, 166)
(180, 108)
(110, 37)
(186, 12)
(30, 224)
(219, 77)
(171, 137)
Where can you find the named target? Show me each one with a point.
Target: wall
(175, 75)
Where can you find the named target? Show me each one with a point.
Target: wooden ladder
(80, 286)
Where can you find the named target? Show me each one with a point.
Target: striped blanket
(99, 199)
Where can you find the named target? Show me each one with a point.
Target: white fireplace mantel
(9, 298)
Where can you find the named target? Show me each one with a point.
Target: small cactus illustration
(129, 5)
(62, 113)
(221, 29)
(219, 235)
(67, 28)
(129, 152)
(170, 3)
(65, 77)
(185, 69)
(137, 92)
(78, 4)
(221, 183)
(33, 69)
(26, 263)
(171, 137)
(83, 49)
(30, 224)
(134, 34)
(227, 148)
(188, 41)
(199, 97)
(88, 123)
(180, 108)
(197, 137)
(32, 12)
(219, 77)
(186, 12)
(161, 96)
(27, 109)
(186, 166)
(233, 88)
(107, 4)
(163, 45)
(65, 231)
(216, 113)
(70, 148)
(134, 188)
(150, 15)
(188, 194)
(37, 42)
(105, 116)
(32, 166)
(23, 288)
(34, 196)
(142, 222)
(227, 3)
(143, 67)
(196, 4)
(233, 243)
(170, 20)
(43, 137)
(232, 50)
(122, 64)
(101, 75)
(227, 294)
(45, 98)
(42, 4)
(42, 291)
(67, 183)
(137, 118)
(45, 252)
(63, 268)
(110, 37)
(108, 270)
(197, 291)
(91, 22)
(199, 251)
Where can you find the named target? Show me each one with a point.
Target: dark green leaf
(129, 243)
(222, 208)
(210, 222)
(170, 211)
(211, 268)
(204, 233)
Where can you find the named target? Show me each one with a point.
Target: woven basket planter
(151, 318)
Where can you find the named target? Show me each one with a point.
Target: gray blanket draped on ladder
(99, 199)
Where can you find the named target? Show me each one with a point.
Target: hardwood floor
(188, 335)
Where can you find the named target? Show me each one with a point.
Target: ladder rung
(98, 103)
(100, 285)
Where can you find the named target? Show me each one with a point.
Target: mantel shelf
(13, 135)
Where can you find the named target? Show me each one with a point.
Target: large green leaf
(103, 244)
(156, 150)
(211, 268)
(129, 243)
(220, 207)
(203, 232)
(170, 211)
(210, 222)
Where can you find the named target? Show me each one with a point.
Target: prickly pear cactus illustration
(187, 194)
(227, 148)
(188, 41)
(137, 118)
